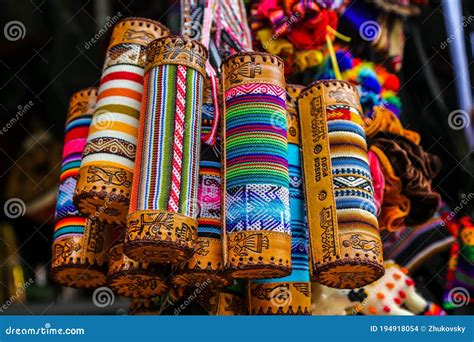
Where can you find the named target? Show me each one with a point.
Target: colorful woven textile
(341, 213)
(165, 187)
(256, 166)
(378, 180)
(459, 289)
(290, 294)
(69, 265)
(416, 169)
(77, 128)
(412, 246)
(109, 157)
(171, 105)
(376, 86)
(395, 205)
(206, 264)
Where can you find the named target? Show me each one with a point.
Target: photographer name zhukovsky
(444, 328)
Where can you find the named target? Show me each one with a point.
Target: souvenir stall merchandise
(413, 246)
(407, 169)
(131, 278)
(393, 294)
(105, 177)
(80, 243)
(376, 85)
(255, 147)
(379, 25)
(162, 225)
(207, 262)
(341, 214)
(189, 183)
(295, 30)
(290, 294)
(229, 301)
(459, 290)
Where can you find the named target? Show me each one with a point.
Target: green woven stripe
(114, 108)
(168, 137)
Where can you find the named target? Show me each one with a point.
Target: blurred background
(55, 57)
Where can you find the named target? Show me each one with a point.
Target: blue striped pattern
(299, 229)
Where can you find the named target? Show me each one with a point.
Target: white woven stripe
(345, 134)
(115, 134)
(361, 156)
(121, 84)
(124, 68)
(99, 158)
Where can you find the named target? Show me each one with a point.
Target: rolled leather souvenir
(105, 177)
(79, 243)
(346, 249)
(162, 223)
(257, 200)
(290, 294)
(132, 278)
(207, 261)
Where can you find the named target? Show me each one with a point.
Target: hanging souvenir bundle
(105, 178)
(80, 243)
(202, 172)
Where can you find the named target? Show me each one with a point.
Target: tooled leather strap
(320, 204)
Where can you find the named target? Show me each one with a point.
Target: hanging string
(332, 53)
(209, 13)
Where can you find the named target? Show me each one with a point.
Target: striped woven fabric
(69, 222)
(257, 182)
(108, 162)
(209, 218)
(162, 225)
(112, 138)
(167, 163)
(352, 180)
(412, 246)
(79, 242)
(295, 286)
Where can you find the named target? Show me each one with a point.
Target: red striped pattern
(122, 75)
(173, 204)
